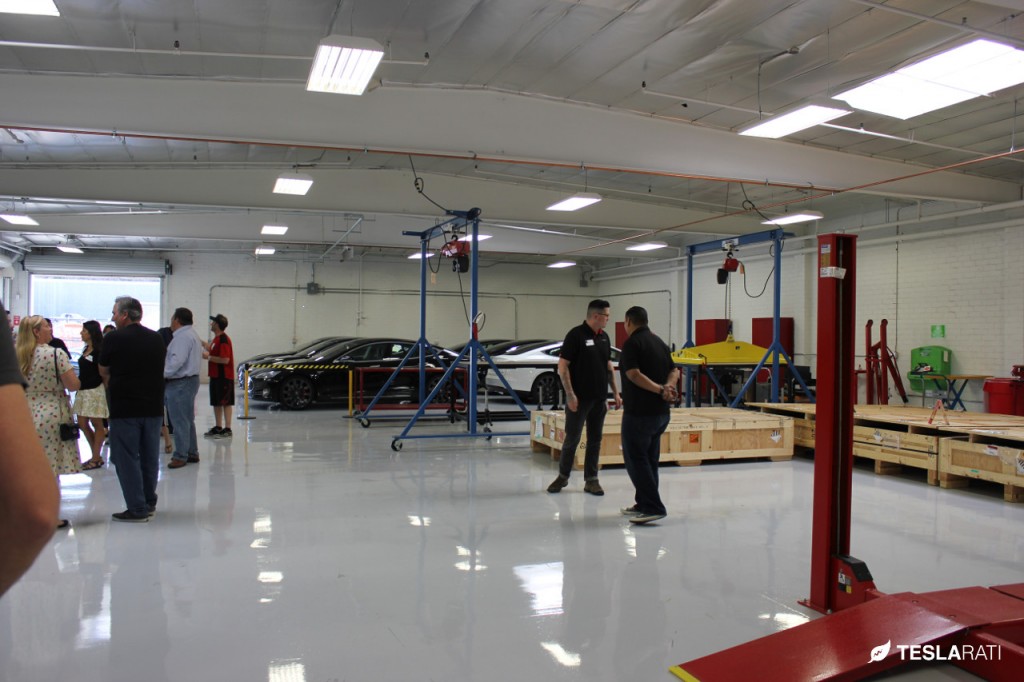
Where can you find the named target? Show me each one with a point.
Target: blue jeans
(180, 395)
(590, 413)
(641, 451)
(135, 451)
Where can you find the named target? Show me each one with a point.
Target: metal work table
(954, 390)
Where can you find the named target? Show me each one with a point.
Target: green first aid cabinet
(939, 358)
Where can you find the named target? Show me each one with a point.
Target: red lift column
(838, 580)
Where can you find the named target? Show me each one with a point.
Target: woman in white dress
(48, 372)
(91, 399)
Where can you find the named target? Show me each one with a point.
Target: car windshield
(489, 345)
(322, 345)
(517, 347)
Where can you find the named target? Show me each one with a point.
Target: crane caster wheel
(365, 423)
(396, 445)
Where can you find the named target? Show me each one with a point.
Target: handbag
(68, 430)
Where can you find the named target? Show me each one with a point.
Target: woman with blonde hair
(48, 373)
(91, 399)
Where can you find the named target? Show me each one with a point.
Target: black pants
(641, 452)
(591, 413)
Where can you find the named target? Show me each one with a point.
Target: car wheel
(445, 394)
(545, 389)
(296, 393)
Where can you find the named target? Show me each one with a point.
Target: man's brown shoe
(558, 484)
(593, 487)
(176, 463)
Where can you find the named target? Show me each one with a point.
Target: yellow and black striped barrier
(281, 365)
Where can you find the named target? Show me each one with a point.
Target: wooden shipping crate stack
(986, 454)
(953, 448)
(694, 435)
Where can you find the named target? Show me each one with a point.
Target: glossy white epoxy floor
(306, 550)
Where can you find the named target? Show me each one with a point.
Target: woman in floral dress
(91, 399)
(48, 372)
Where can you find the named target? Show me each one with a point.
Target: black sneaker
(558, 484)
(130, 517)
(150, 512)
(224, 433)
(593, 487)
(192, 459)
(213, 433)
(630, 511)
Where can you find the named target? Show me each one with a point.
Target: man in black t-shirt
(649, 379)
(585, 368)
(132, 367)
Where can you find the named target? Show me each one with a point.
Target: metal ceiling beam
(512, 128)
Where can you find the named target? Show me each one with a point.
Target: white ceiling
(184, 111)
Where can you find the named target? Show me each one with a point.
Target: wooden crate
(803, 419)
(693, 436)
(894, 436)
(995, 455)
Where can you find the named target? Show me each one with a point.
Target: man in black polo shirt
(585, 368)
(648, 389)
(132, 367)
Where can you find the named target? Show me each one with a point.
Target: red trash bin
(1004, 396)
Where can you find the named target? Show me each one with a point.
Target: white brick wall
(971, 282)
(267, 312)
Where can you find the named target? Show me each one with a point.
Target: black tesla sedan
(307, 351)
(297, 383)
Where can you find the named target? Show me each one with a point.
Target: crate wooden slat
(694, 435)
(990, 454)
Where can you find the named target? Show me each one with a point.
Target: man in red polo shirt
(222, 383)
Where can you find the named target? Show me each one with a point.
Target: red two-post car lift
(866, 632)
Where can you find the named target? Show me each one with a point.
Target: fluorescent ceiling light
(418, 255)
(274, 229)
(972, 70)
(15, 219)
(575, 202)
(265, 250)
(293, 183)
(563, 264)
(647, 246)
(790, 218)
(344, 65)
(42, 7)
(67, 248)
(469, 237)
(806, 116)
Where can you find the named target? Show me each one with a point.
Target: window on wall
(70, 300)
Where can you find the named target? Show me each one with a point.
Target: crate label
(890, 439)
(776, 436)
(551, 435)
(694, 437)
(1020, 463)
(538, 432)
(992, 450)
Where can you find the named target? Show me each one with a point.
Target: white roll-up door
(111, 266)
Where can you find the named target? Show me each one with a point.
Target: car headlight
(269, 374)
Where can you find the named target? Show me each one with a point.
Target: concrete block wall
(269, 309)
(969, 280)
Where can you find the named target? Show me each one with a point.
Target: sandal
(92, 464)
(168, 448)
